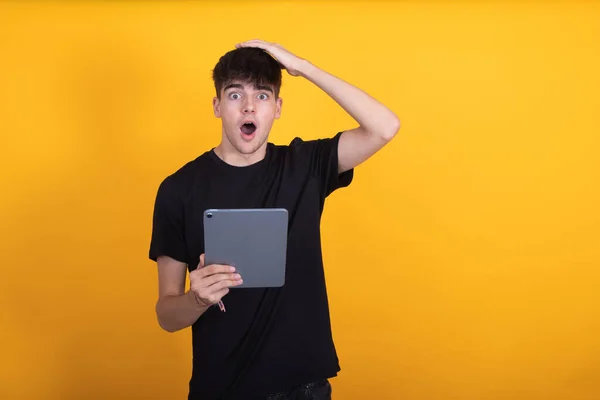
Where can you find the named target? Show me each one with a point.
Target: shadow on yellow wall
(463, 262)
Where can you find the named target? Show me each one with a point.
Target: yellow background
(462, 263)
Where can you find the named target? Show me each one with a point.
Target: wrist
(196, 301)
(306, 69)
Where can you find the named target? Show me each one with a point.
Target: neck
(231, 156)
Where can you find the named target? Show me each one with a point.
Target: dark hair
(248, 65)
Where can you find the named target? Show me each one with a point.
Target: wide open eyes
(237, 96)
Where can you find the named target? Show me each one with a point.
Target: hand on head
(291, 62)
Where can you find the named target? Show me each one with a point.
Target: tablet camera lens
(209, 215)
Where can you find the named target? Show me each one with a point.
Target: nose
(249, 107)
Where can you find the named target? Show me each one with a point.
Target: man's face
(247, 113)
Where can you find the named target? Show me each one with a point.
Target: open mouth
(248, 128)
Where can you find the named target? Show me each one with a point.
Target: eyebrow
(264, 87)
(240, 86)
(233, 86)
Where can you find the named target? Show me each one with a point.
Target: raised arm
(377, 123)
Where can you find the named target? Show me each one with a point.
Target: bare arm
(177, 309)
(377, 123)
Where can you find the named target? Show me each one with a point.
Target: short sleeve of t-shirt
(322, 158)
(168, 224)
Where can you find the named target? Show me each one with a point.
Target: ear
(217, 107)
(278, 105)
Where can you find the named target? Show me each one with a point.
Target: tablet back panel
(252, 240)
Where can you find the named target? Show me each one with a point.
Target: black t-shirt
(271, 339)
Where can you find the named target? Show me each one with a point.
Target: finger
(224, 284)
(211, 280)
(255, 43)
(209, 291)
(213, 297)
(214, 294)
(201, 265)
(215, 269)
(220, 294)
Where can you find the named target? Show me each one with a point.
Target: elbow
(162, 322)
(391, 129)
(166, 327)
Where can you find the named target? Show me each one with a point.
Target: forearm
(178, 312)
(373, 116)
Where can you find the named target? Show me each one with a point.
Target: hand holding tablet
(209, 284)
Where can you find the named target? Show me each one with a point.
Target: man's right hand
(210, 283)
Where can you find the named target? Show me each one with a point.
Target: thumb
(201, 261)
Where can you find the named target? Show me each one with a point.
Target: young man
(273, 343)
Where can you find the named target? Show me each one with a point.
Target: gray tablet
(254, 241)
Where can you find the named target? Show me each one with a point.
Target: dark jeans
(312, 391)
